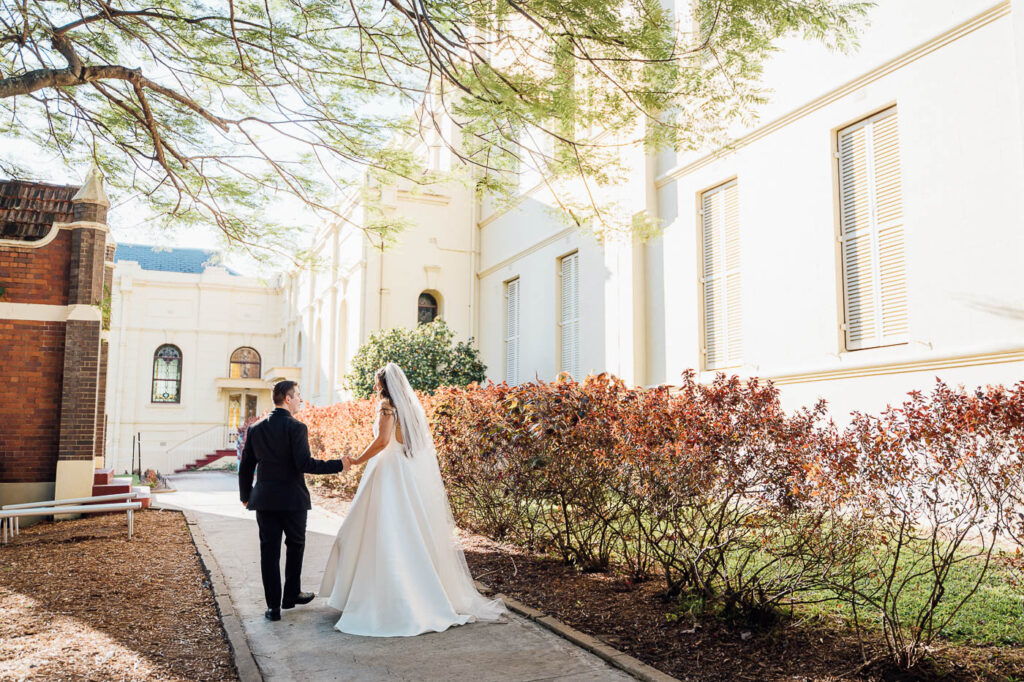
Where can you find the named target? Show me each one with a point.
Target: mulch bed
(81, 601)
(632, 618)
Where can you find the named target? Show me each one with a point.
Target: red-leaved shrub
(718, 491)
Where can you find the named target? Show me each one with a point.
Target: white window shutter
(721, 276)
(871, 224)
(512, 331)
(569, 320)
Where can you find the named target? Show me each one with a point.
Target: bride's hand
(348, 462)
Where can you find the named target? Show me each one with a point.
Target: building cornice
(981, 356)
(537, 246)
(981, 20)
(434, 199)
(41, 312)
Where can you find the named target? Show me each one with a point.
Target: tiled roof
(169, 260)
(29, 209)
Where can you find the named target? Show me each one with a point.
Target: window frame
(729, 362)
(177, 381)
(232, 362)
(879, 340)
(509, 284)
(562, 322)
(420, 307)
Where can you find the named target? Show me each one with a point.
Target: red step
(112, 488)
(144, 495)
(207, 459)
(102, 476)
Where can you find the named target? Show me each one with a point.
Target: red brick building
(54, 265)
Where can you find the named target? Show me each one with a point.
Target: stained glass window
(245, 363)
(427, 308)
(167, 374)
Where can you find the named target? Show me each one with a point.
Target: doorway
(241, 408)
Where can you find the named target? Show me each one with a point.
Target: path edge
(245, 663)
(611, 655)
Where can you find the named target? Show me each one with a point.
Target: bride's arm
(384, 430)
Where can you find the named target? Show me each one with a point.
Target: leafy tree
(426, 354)
(212, 111)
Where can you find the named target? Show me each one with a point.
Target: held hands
(348, 462)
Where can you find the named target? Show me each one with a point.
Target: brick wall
(32, 357)
(79, 390)
(37, 275)
(85, 272)
(57, 369)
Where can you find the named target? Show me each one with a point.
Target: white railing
(14, 524)
(8, 530)
(196, 446)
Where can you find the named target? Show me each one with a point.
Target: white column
(1017, 16)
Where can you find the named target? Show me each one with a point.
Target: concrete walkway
(304, 646)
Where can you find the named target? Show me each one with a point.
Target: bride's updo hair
(384, 393)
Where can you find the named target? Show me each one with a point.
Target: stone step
(113, 488)
(102, 476)
(145, 495)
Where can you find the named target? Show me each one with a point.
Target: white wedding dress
(396, 569)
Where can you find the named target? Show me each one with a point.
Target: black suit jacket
(278, 447)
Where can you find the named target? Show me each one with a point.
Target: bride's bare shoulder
(386, 406)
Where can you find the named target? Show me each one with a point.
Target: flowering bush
(428, 353)
(718, 491)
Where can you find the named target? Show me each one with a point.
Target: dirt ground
(80, 601)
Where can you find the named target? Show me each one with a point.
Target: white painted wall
(377, 289)
(207, 316)
(953, 71)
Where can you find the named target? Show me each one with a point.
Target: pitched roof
(163, 259)
(29, 209)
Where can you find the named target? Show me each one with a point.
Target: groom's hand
(347, 462)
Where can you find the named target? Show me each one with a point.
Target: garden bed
(638, 620)
(82, 602)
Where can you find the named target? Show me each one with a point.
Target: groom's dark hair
(282, 389)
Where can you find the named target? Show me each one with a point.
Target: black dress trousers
(293, 524)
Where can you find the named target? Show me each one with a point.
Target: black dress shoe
(300, 598)
(272, 614)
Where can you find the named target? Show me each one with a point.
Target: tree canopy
(211, 111)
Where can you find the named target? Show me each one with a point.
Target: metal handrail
(73, 500)
(8, 530)
(183, 441)
(195, 446)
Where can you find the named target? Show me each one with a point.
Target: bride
(396, 569)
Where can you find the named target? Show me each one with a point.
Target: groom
(279, 446)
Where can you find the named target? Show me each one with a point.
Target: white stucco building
(193, 348)
(863, 238)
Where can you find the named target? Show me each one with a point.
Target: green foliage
(427, 354)
(104, 306)
(214, 112)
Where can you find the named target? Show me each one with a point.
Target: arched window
(427, 308)
(245, 363)
(167, 374)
